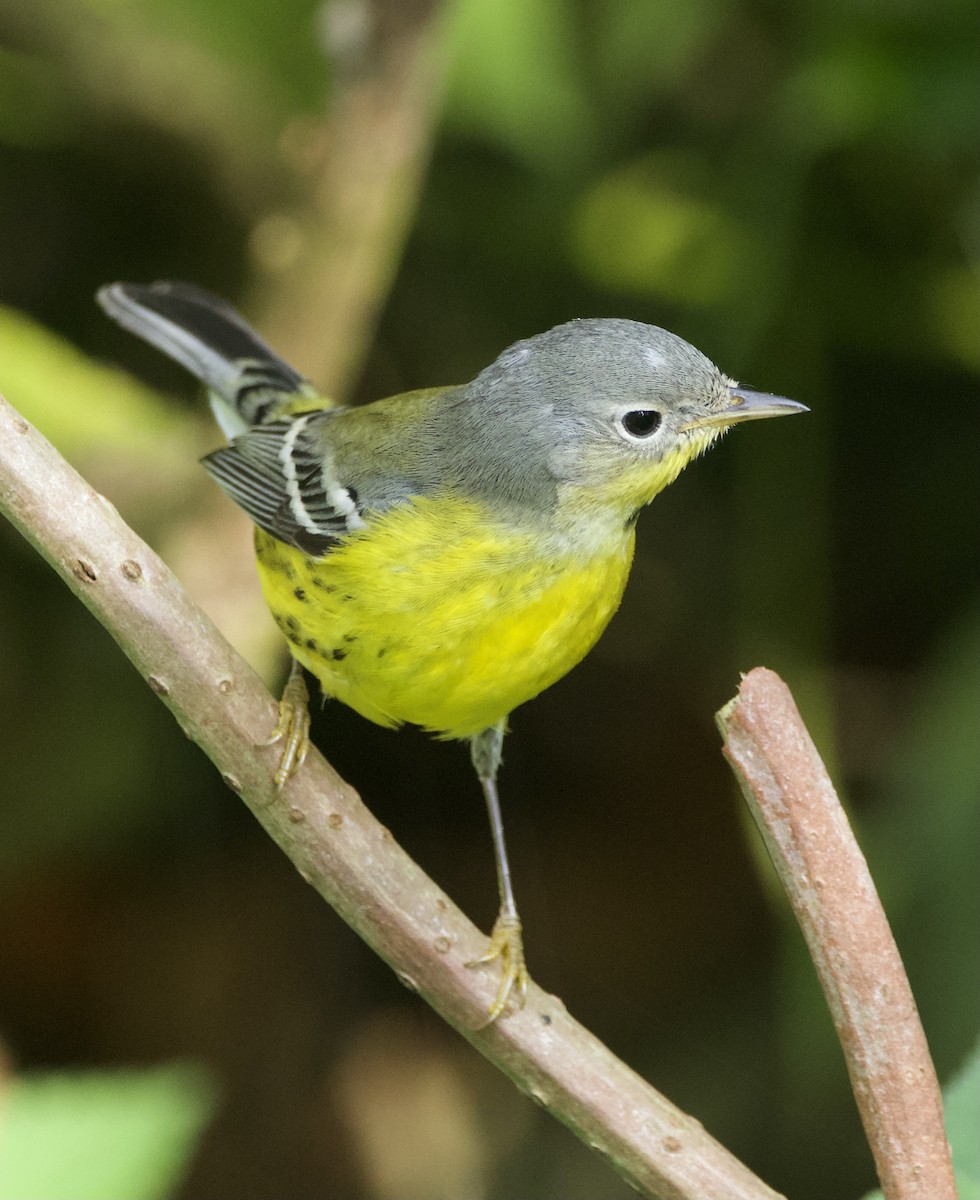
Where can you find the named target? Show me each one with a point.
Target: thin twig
(338, 847)
(833, 896)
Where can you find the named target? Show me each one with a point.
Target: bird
(440, 557)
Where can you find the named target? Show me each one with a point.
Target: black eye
(641, 423)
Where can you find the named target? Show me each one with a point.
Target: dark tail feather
(210, 339)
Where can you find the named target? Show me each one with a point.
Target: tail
(248, 384)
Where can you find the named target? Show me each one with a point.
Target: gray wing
(281, 474)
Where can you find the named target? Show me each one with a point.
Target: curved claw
(293, 725)
(507, 944)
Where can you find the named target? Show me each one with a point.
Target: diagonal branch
(335, 843)
(833, 896)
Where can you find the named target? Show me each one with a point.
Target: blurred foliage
(101, 1136)
(962, 1119)
(796, 190)
(84, 408)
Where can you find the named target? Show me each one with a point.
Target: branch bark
(833, 896)
(335, 843)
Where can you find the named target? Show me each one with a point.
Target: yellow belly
(438, 619)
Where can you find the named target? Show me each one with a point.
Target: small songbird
(441, 556)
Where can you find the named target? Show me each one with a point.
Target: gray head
(598, 403)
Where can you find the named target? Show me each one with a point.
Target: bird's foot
(507, 944)
(292, 727)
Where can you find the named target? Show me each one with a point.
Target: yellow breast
(438, 616)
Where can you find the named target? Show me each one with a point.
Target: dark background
(794, 189)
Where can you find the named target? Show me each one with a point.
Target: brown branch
(827, 880)
(335, 843)
(329, 263)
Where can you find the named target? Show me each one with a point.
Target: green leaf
(76, 402)
(962, 1101)
(516, 77)
(121, 1135)
(651, 228)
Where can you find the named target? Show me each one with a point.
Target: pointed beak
(745, 405)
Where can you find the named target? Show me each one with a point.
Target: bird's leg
(506, 942)
(293, 725)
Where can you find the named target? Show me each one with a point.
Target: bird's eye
(642, 422)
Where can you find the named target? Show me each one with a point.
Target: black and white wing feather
(278, 466)
(282, 475)
(247, 381)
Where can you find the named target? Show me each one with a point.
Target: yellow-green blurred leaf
(78, 404)
(515, 77)
(125, 1135)
(642, 230)
(956, 314)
